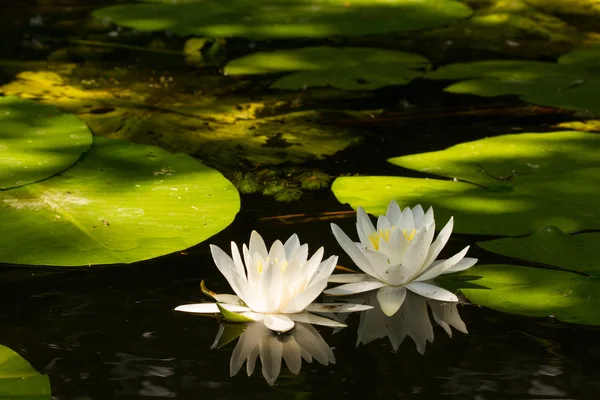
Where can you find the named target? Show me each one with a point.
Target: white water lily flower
(399, 255)
(277, 286)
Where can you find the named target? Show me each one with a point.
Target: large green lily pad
(536, 292)
(549, 245)
(587, 56)
(506, 185)
(18, 379)
(37, 141)
(507, 77)
(348, 68)
(121, 203)
(572, 83)
(285, 18)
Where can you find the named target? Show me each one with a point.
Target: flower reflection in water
(412, 319)
(256, 340)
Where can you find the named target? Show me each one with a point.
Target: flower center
(409, 235)
(384, 234)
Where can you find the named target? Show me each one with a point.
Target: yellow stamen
(409, 236)
(375, 237)
(259, 267)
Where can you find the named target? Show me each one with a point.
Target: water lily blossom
(399, 255)
(277, 286)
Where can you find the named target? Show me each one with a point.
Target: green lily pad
(571, 84)
(549, 245)
(347, 68)
(18, 379)
(536, 292)
(503, 77)
(582, 96)
(588, 57)
(285, 18)
(37, 141)
(506, 185)
(120, 204)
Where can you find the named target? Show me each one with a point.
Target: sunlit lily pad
(285, 18)
(505, 185)
(37, 141)
(18, 379)
(120, 204)
(348, 68)
(536, 292)
(550, 246)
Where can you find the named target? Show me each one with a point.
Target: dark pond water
(110, 333)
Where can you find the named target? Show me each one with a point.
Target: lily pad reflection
(256, 340)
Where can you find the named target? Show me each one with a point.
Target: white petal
(237, 260)
(378, 261)
(348, 278)
(225, 265)
(352, 250)
(300, 254)
(352, 288)
(324, 272)
(417, 251)
(277, 252)
(257, 245)
(308, 295)
(462, 265)
(315, 319)
(428, 218)
(396, 275)
(364, 226)
(440, 242)
(393, 213)
(406, 220)
(418, 215)
(437, 269)
(209, 308)
(228, 299)
(278, 322)
(337, 307)
(431, 291)
(291, 245)
(310, 269)
(391, 298)
(383, 223)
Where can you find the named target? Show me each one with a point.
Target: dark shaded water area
(111, 333)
